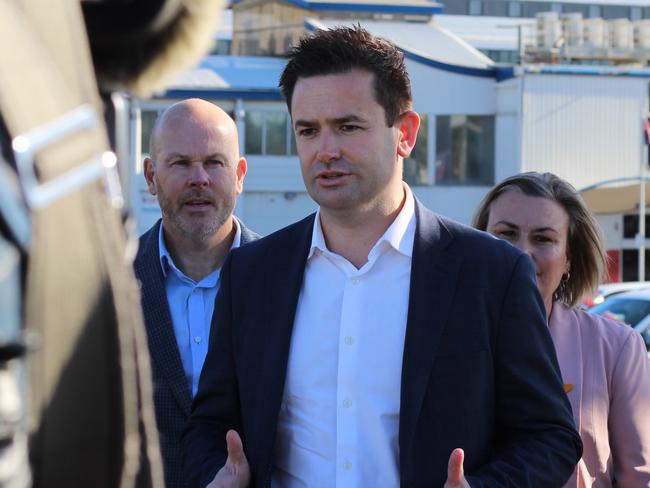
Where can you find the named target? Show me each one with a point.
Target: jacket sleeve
(537, 443)
(629, 415)
(215, 409)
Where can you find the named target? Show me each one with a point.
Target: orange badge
(568, 387)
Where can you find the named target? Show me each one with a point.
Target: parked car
(632, 307)
(607, 290)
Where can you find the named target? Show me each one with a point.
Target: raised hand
(235, 473)
(455, 472)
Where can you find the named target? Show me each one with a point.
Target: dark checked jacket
(172, 396)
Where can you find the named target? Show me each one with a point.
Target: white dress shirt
(191, 305)
(339, 418)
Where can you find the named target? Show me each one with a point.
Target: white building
(481, 123)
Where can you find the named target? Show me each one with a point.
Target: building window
(514, 9)
(475, 7)
(495, 8)
(594, 11)
(576, 8)
(631, 226)
(615, 12)
(147, 121)
(556, 7)
(465, 150)
(636, 13)
(531, 9)
(416, 167)
(254, 125)
(268, 133)
(502, 55)
(221, 47)
(276, 133)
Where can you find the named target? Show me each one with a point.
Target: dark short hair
(343, 49)
(584, 242)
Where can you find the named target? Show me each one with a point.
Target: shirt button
(356, 281)
(349, 341)
(347, 403)
(197, 339)
(347, 465)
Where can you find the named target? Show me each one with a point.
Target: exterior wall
(437, 92)
(508, 128)
(584, 128)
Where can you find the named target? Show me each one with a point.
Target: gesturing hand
(455, 473)
(235, 473)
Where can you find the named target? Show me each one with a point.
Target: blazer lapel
(247, 235)
(434, 270)
(162, 341)
(283, 281)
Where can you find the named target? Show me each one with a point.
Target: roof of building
(425, 42)
(246, 77)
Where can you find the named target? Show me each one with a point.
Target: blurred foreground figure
(67, 291)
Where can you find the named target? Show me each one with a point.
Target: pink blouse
(606, 372)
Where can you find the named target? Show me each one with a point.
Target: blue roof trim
(245, 94)
(395, 8)
(452, 68)
(590, 71)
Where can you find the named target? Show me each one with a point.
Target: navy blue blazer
(172, 395)
(479, 369)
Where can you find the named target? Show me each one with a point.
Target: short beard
(224, 208)
(202, 233)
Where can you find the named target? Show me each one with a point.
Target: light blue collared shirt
(191, 305)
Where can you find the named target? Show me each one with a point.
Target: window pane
(615, 11)
(594, 11)
(147, 120)
(415, 167)
(514, 9)
(579, 8)
(253, 125)
(495, 8)
(475, 7)
(276, 133)
(531, 9)
(464, 150)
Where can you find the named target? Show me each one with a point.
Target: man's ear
(240, 173)
(408, 125)
(149, 172)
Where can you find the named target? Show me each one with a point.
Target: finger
(455, 473)
(235, 448)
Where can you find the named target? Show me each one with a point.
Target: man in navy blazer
(196, 172)
(375, 343)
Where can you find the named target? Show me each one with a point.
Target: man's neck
(353, 235)
(199, 258)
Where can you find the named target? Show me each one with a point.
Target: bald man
(196, 172)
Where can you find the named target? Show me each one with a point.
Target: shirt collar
(166, 261)
(400, 235)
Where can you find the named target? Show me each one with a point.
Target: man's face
(350, 158)
(196, 175)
